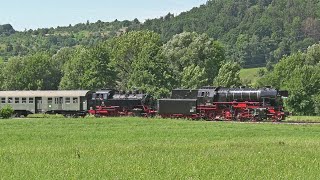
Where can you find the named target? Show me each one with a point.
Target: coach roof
(70, 93)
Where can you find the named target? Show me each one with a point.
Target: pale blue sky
(33, 14)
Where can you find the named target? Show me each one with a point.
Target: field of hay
(137, 148)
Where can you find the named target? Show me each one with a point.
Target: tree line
(135, 60)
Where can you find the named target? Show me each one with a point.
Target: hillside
(15, 43)
(254, 32)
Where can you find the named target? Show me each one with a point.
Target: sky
(33, 14)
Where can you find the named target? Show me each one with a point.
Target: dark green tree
(304, 86)
(1, 73)
(134, 57)
(228, 75)
(193, 77)
(300, 75)
(33, 72)
(191, 50)
(88, 69)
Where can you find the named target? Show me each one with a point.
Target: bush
(6, 112)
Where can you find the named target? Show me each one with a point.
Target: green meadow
(249, 75)
(137, 148)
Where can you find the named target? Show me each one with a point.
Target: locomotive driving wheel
(211, 116)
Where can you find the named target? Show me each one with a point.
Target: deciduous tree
(136, 61)
(88, 69)
(187, 49)
(229, 75)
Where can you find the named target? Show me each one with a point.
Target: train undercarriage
(116, 111)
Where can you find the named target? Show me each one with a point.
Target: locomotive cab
(206, 95)
(100, 97)
(184, 94)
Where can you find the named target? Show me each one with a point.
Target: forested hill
(254, 31)
(15, 43)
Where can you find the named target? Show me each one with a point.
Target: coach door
(58, 101)
(50, 103)
(38, 105)
(83, 103)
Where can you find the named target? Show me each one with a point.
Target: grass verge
(303, 118)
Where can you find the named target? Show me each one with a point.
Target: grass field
(249, 75)
(134, 148)
(304, 118)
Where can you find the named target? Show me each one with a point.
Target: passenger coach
(73, 103)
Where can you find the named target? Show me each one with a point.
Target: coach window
(50, 100)
(75, 100)
(10, 99)
(3, 100)
(23, 100)
(30, 100)
(16, 100)
(67, 100)
(202, 94)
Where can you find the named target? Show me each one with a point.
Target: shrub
(6, 112)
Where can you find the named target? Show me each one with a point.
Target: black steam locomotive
(119, 103)
(217, 103)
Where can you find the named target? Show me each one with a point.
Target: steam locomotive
(119, 103)
(217, 103)
(210, 103)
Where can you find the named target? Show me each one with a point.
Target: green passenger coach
(73, 103)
